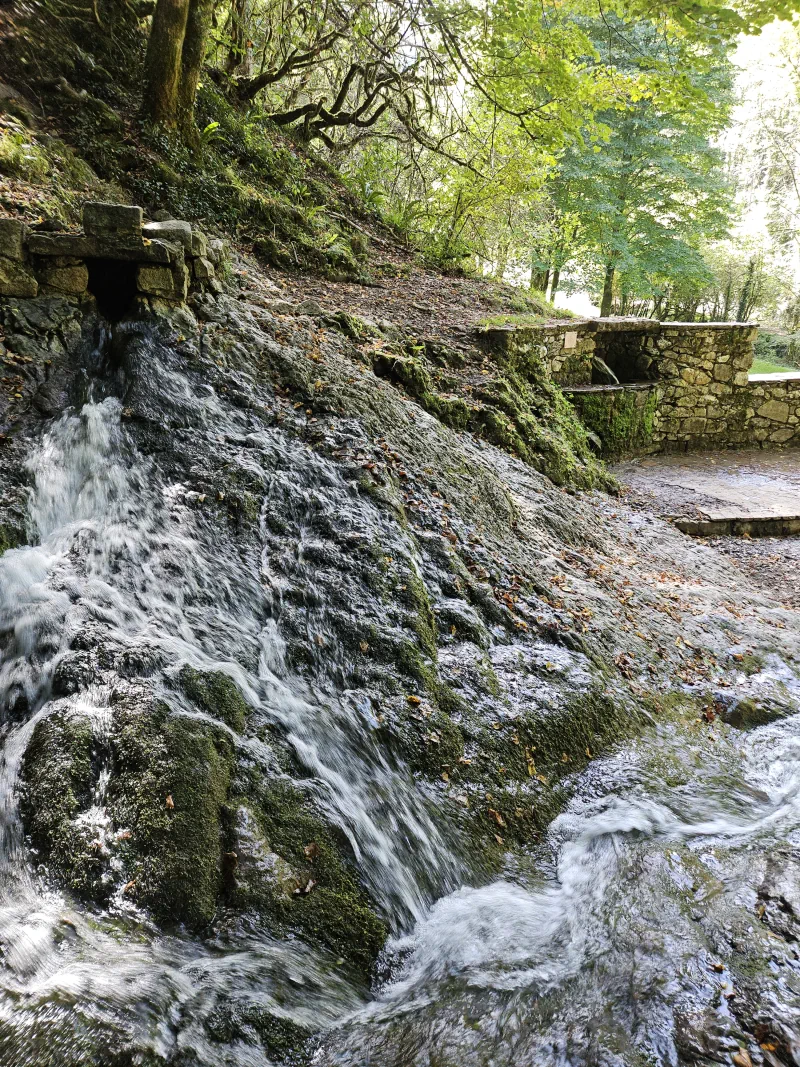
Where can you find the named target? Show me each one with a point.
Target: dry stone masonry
(117, 257)
(646, 386)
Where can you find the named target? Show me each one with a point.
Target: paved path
(689, 489)
(719, 485)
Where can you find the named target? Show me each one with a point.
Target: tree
(162, 67)
(176, 50)
(636, 202)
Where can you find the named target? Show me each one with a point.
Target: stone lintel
(88, 246)
(175, 231)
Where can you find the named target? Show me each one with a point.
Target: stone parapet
(705, 397)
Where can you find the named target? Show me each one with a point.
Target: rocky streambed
(336, 734)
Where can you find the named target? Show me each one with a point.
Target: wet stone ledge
(117, 257)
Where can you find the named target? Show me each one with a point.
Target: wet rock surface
(289, 659)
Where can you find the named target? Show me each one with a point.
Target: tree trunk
(743, 311)
(554, 285)
(608, 292)
(162, 67)
(198, 24)
(240, 30)
(539, 280)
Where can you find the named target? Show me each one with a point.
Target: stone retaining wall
(773, 412)
(162, 259)
(703, 370)
(683, 385)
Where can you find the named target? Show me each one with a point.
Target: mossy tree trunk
(198, 24)
(608, 291)
(162, 67)
(555, 283)
(175, 54)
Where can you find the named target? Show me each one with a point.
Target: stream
(652, 925)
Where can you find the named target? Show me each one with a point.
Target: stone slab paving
(710, 493)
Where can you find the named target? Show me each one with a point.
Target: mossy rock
(279, 1037)
(58, 772)
(10, 537)
(748, 713)
(329, 907)
(217, 694)
(171, 780)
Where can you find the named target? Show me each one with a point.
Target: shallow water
(618, 942)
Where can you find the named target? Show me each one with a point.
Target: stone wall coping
(711, 325)
(621, 325)
(789, 376)
(625, 387)
(633, 325)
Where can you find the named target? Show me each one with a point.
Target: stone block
(694, 425)
(216, 251)
(100, 220)
(156, 281)
(199, 243)
(180, 276)
(780, 437)
(174, 231)
(71, 280)
(775, 411)
(16, 279)
(723, 372)
(13, 234)
(740, 378)
(203, 269)
(80, 246)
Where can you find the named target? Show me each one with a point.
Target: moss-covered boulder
(57, 777)
(291, 869)
(171, 781)
(217, 694)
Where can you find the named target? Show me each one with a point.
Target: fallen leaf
(170, 803)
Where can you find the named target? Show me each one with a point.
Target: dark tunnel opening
(112, 282)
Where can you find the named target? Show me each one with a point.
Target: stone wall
(116, 255)
(682, 386)
(566, 349)
(773, 412)
(621, 417)
(703, 370)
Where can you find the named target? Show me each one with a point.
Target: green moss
(216, 694)
(231, 1021)
(58, 772)
(172, 775)
(10, 537)
(415, 596)
(431, 743)
(336, 911)
(579, 731)
(538, 312)
(352, 326)
(622, 419)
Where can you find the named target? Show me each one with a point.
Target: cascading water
(113, 552)
(633, 937)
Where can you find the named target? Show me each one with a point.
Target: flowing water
(621, 941)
